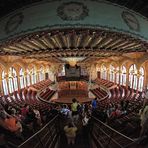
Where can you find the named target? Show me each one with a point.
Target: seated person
(12, 124)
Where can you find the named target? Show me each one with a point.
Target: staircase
(81, 141)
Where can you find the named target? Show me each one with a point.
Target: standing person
(85, 128)
(74, 109)
(94, 104)
(37, 116)
(65, 111)
(70, 131)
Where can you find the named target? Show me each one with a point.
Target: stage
(68, 90)
(68, 100)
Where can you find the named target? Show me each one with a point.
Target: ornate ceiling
(54, 45)
(140, 6)
(90, 44)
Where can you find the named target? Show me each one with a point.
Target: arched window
(15, 79)
(51, 75)
(133, 76)
(22, 78)
(117, 75)
(4, 83)
(47, 72)
(123, 76)
(63, 71)
(33, 75)
(28, 77)
(112, 73)
(141, 78)
(103, 72)
(41, 74)
(12, 80)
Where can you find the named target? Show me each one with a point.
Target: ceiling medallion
(13, 22)
(72, 11)
(131, 21)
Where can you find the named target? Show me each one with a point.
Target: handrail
(45, 101)
(113, 129)
(105, 136)
(38, 132)
(105, 89)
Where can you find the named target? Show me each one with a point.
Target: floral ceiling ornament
(72, 11)
(14, 22)
(131, 21)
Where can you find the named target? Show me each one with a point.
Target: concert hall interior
(73, 74)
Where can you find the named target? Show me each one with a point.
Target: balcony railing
(103, 136)
(47, 137)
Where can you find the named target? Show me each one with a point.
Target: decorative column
(127, 77)
(25, 77)
(145, 77)
(7, 84)
(93, 72)
(115, 74)
(138, 75)
(1, 87)
(120, 72)
(108, 74)
(55, 77)
(89, 81)
(29, 74)
(18, 80)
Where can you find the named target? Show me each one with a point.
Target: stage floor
(69, 100)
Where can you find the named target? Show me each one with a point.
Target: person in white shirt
(85, 120)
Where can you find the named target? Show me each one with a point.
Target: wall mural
(72, 11)
(131, 21)
(13, 22)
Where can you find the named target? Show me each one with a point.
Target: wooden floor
(69, 100)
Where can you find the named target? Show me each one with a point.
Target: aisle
(82, 140)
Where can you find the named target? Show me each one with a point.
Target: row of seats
(117, 93)
(125, 123)
(99, 93)
(46, 94)
(105, 83)
(29, 96)
(40, 85)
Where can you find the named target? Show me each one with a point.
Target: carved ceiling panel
(56, 44)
